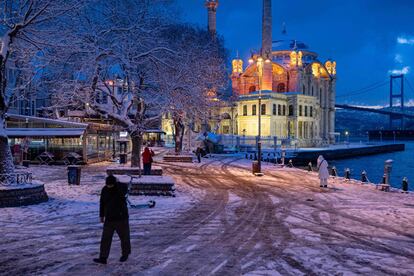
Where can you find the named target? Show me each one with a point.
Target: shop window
(274, 109)
(263, 109)
(290, 110)
(253, 109)
(300, 110)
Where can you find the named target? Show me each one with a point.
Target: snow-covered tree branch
(26, 28)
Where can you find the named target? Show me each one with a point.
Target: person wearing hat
(113, 213)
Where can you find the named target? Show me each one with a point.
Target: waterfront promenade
(223, 221)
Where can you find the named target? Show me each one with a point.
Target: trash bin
(74, 174)
(255, 167)
(122, 158)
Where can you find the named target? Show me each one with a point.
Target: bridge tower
(394, 80)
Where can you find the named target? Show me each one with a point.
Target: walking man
(198, 154)
(113, 212)
(323, 171)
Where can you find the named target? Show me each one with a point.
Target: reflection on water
(403, 166)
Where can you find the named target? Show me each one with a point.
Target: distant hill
(359, 122)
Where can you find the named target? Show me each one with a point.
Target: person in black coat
(113, 212)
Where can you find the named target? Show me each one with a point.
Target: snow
(223, 220)
(147, 179)
(43, 132)
(5, 42)
(2, 129)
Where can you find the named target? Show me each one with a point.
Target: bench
(124, 170)
(384, 187)
(178, 158)
(149, 184)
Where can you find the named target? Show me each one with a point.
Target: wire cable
(364, 90)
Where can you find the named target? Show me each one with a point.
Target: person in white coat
(323, 171)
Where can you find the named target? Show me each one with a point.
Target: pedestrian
(147, 160)
(198, 154)
(323, 171)
(113, 213)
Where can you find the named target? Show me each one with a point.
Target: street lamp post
(260, 63)
(347, 137)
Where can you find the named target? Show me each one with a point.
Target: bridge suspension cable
(409, 84)
(366, 89)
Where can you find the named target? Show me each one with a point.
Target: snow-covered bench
(124, 170)
(149, 184)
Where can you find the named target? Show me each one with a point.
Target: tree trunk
(136, 150)
(179, 134)
(6, 158)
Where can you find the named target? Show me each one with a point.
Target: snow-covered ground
(223, 221)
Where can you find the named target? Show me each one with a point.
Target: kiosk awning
(44, 132)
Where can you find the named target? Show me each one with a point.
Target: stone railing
(16, 178)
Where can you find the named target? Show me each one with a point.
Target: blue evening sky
(367, 38)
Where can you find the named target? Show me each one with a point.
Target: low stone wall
(303, 158)
(21, 195)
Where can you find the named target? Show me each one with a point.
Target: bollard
(347, 174)
(334, 173)
(290, 163)
(364, 178)
(387, 170)
(405, 185)
(310, 167)
(384, 179)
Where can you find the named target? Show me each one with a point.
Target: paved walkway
(224, 221)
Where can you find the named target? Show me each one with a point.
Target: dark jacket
(113, 205)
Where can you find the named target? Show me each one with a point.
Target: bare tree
(27, 29)
(121, 50)
(199, 72)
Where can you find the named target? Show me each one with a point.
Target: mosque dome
(288, 45)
